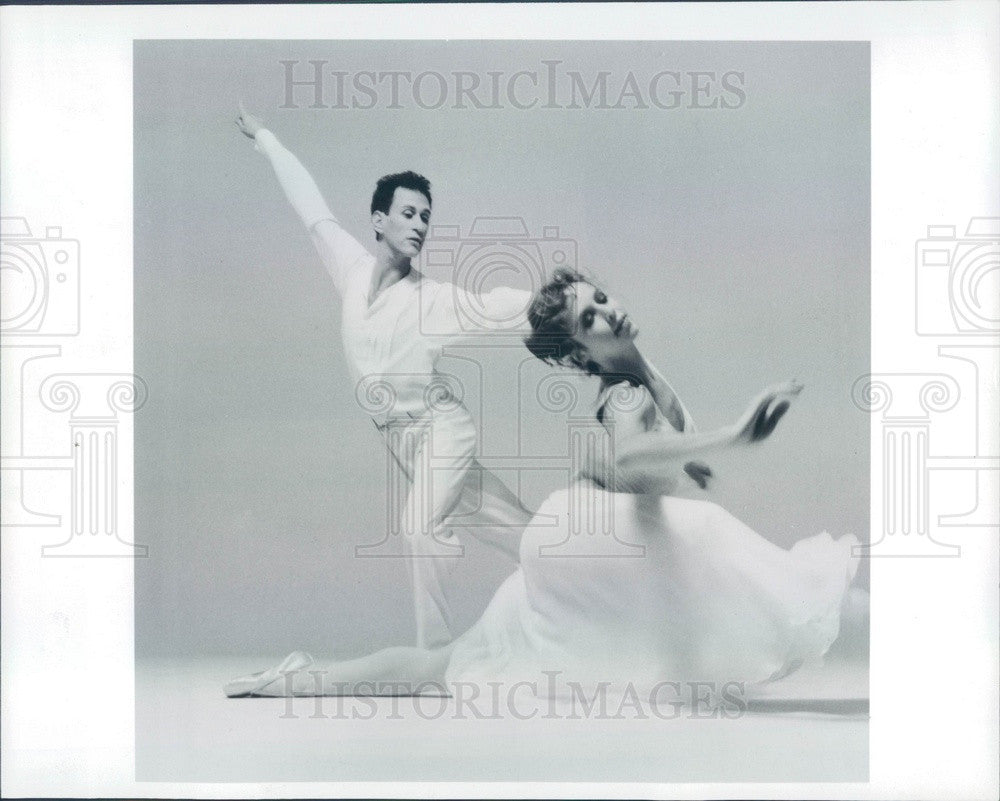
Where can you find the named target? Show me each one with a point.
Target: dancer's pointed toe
(242, 686)
(255, 683)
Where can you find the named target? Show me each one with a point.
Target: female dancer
(709, 599)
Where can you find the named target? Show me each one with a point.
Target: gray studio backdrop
(725, 201)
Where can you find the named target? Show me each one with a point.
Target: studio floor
(812, 726)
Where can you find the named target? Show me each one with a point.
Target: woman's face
(602, 326)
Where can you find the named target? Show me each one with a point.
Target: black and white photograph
(529, 391)
(406, 403)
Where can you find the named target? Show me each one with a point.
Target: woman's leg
(399, 670)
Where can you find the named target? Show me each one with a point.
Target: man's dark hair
(387, 185)
(553, 322)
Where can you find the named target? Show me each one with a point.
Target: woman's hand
(699, 472)
(248, 124)
(765, 412)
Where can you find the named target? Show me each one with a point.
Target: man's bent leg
(490, 512)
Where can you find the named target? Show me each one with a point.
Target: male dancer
(387, 308)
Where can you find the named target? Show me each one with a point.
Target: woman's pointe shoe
(246, 686)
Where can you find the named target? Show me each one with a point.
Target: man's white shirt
(393, 344)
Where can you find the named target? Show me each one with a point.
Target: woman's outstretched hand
(765, 412)
(699, 472)
(248, 123)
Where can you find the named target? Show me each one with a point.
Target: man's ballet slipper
(251, 685)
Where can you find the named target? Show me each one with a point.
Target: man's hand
(765, 412)
(248, 123)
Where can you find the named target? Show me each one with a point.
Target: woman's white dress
(704, 598)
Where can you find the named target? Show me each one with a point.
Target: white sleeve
(501, 309)
(339, 250)
(342, 254)
(299, 186)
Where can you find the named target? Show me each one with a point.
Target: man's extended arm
(299, 186)
(462, 312)
(339, 250)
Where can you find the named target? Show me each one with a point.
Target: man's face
(404, 228)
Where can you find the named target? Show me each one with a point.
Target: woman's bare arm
(656, 452)
(630, 412)
(674, 411)
(668, 401)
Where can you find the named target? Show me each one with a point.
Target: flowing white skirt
(679, 591)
